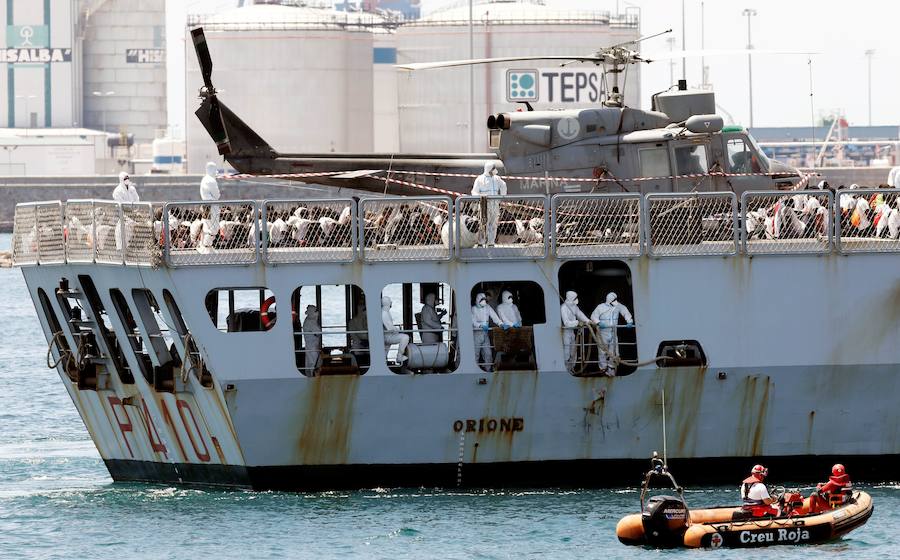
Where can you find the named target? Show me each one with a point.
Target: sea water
(58, 501)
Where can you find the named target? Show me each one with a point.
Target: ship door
(691, 158)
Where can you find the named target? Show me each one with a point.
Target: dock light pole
(103, 109)
(27, 110)
(471, 77)
(750, 12)
(869, 54)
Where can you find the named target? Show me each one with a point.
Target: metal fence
(406, 228)
(25, 235)
(109, 239)
(602, 225)
(309, 230)
(204, 233)
(495, 227)
(778, 222)
(80, 231)
(868, 221)
(682, 224)
(138, 232)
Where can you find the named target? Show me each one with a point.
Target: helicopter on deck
(680, 145)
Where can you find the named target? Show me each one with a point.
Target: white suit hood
(611, 297)
(209, 187)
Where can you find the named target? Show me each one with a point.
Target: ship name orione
(489, 425)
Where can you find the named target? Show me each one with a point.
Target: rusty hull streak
(510, 394)
(686, 388)
(751, 422)
(326, 423)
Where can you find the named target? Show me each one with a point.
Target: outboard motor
(665, 520)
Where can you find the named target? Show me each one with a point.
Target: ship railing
(313, 230)
(596, 225)
(212, 233)
(683, 224)
(501, 227)
(38, 236)
(391, 350)
(593, 354)
(395, 229)
(107, 232)
(868, 221)
(786, 222)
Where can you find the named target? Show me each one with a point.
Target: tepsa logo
(522, 85)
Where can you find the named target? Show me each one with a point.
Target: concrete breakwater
(152, 188)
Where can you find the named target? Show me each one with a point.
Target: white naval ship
(766, 314)
(775, 343)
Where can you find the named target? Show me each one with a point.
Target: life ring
(269, 321)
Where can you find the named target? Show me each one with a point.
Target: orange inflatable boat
(666, 521)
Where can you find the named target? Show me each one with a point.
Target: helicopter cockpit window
(654, 162)
(742, 158)
(691, 160)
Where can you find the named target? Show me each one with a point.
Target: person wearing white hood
(509, 311)
(482, 315)
(392, 334)
(125, 190)
(209, 190)
(606, 317)
(572, 318)
(489, 184)
(312, 338)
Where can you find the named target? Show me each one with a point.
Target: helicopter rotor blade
(669, 55)
(203, 56)
(450, 63)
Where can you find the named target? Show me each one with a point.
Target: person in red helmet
(755, 496)
(833, 493)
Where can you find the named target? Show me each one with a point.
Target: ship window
(504, 329)
(159, 341)
(62, 344)
(423, 332)
(330, 330)
(691, 160)
(105, 329)
(134, 336)
(654, 162)
(241, 309)
(680, 353)
(189, 345)
(741, 158)
(601, 348)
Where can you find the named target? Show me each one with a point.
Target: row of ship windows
(331, 328)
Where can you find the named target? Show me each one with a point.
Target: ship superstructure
(766, 326)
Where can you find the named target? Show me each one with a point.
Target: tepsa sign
(553, 85)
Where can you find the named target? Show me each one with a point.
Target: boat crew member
(312, 337)
(358, 326)
(482, 316)
(430, 322)
(572, 318)
(756, 499)
(833, 493)
(509, 311)
(606, 317)
(489, 184)
(392, 334)
(125, 190)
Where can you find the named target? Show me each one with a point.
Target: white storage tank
(434, 104)
(300, 76)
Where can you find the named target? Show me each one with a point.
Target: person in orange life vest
(755, 496)
(831, 493)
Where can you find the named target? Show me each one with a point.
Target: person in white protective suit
(489, 184)
(312, 338)
(125, 190)
(432, 328)
(209, 190)
(509, 311)
(572, 318)
(482, 316)
(392, 334)
(606, 317)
